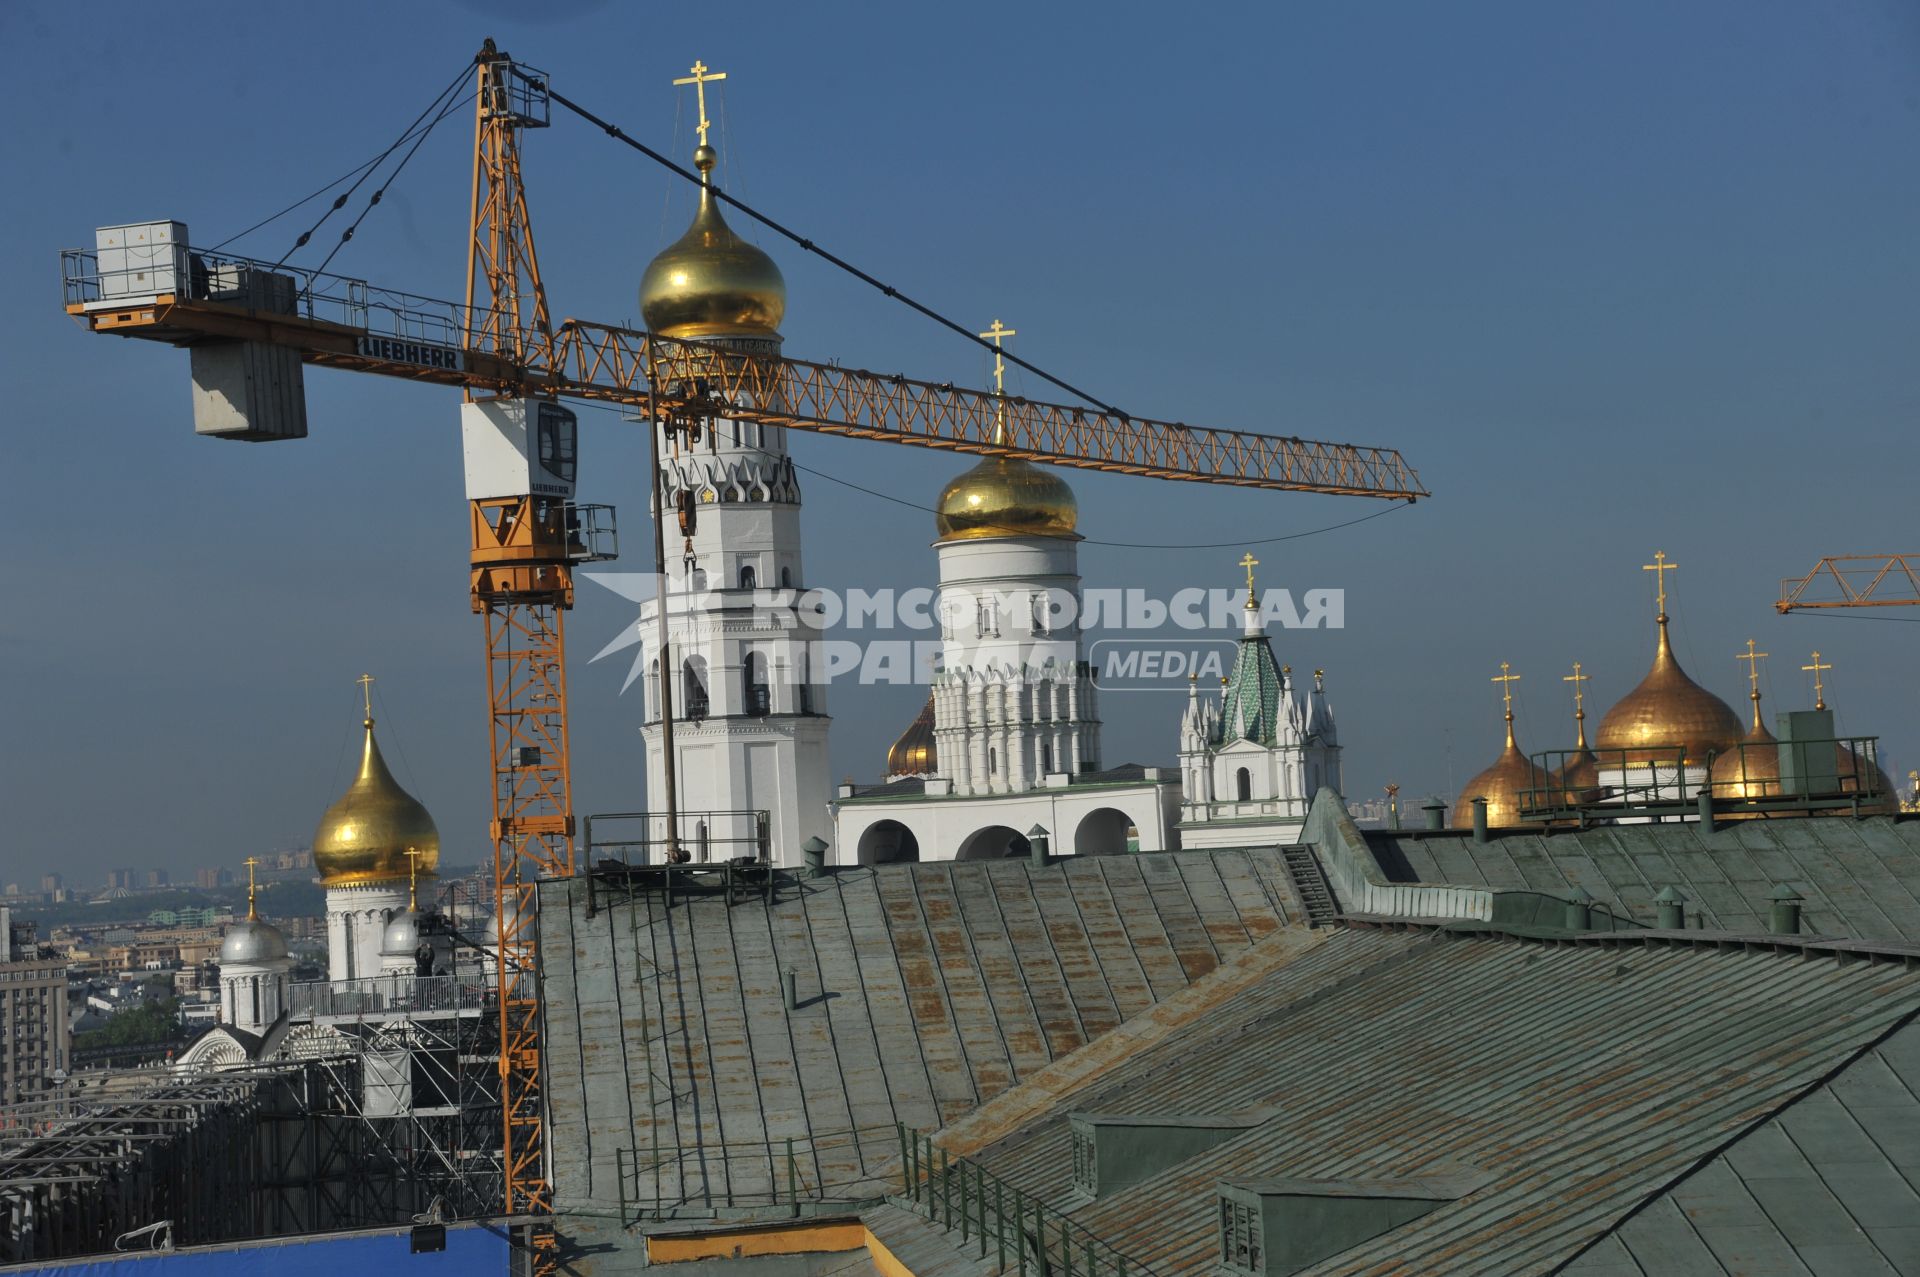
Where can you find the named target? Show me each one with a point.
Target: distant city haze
(1615, 279)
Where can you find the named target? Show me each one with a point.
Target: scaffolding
(372, 1102)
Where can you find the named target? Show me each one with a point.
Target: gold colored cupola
(1668, 713)
(366, 835)
(710, 283)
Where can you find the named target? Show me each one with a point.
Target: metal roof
(676, 1075)
(1859, 877)
(1579, 1076)
(1825, 1186)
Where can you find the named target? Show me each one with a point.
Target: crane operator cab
(519, 448)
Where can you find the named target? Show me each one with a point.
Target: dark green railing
(1022, 1232)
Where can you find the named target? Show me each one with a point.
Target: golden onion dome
(1502, 785)
(1667, 712)
(914, 753)
(710, 282)
(1578, 779)
(1006, 497)
(1752, 770)
(365, 835)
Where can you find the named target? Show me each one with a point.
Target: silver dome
(402, 935)
(253, 941)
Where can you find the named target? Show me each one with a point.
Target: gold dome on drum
(1006, 497)
(1667, 712)
(365, 835)
(914, 753)
(1502, 785)
(711, 283)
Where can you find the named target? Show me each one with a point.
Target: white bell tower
(749, 704)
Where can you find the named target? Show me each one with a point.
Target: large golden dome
(365, 835)
(711, 283)
(914, 753)
(1005, 497)
(1502, 785)
(1667, 712)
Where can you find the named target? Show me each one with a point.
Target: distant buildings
(34, 1040)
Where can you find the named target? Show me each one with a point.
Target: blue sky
(1613, 278)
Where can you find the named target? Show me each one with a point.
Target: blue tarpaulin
(474, 1249)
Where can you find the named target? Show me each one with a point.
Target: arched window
(1046, 757)
(1243, 785)
(759, 695)
(693, 687)
(697, 580)
(806, 683)
(993, 761)
(748, 578)
(651, 693)
(786, 578)
(1042, 615)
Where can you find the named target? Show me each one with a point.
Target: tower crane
(1859, 580)
(251, 326)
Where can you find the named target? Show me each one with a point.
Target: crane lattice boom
(1858, 580)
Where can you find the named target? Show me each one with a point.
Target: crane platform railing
(343, 322)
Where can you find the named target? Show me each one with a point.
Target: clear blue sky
(1613, 277)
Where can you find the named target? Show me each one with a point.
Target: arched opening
(753, 675)
(993, 761)
(888, 842)
(1243, 785)
(1105, 831)
(995, 842)
(748, 578)
(650, 694)
(786, 578)
(693, 687)
(701, 844)
(806, 684)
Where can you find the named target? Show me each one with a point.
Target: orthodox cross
(366, 691)
(1248, 562)
(996, 333)
(1819, 688)
(1506, 682)
(1753, 659)
(252, 915)
(700, 79)
(413, 869)
(1579, 700)
(1660, 567)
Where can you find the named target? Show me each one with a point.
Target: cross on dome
(1660, 567)
(700, 79)
(1819, 688)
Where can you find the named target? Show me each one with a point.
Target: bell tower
(749, 730)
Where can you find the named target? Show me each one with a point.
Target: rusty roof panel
(923, 989)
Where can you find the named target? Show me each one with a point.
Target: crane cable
(615, 132)
(391, 179)
(367, 170)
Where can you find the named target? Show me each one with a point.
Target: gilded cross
(413, 870)
(1819, 688)
(1248, 562)
(1506, 682)
(1660, 567)
(996, 333)
(252, 916)
(366, 691)
(1579, 703)
(700, 79)
(1753, 659)
(1579, 694)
